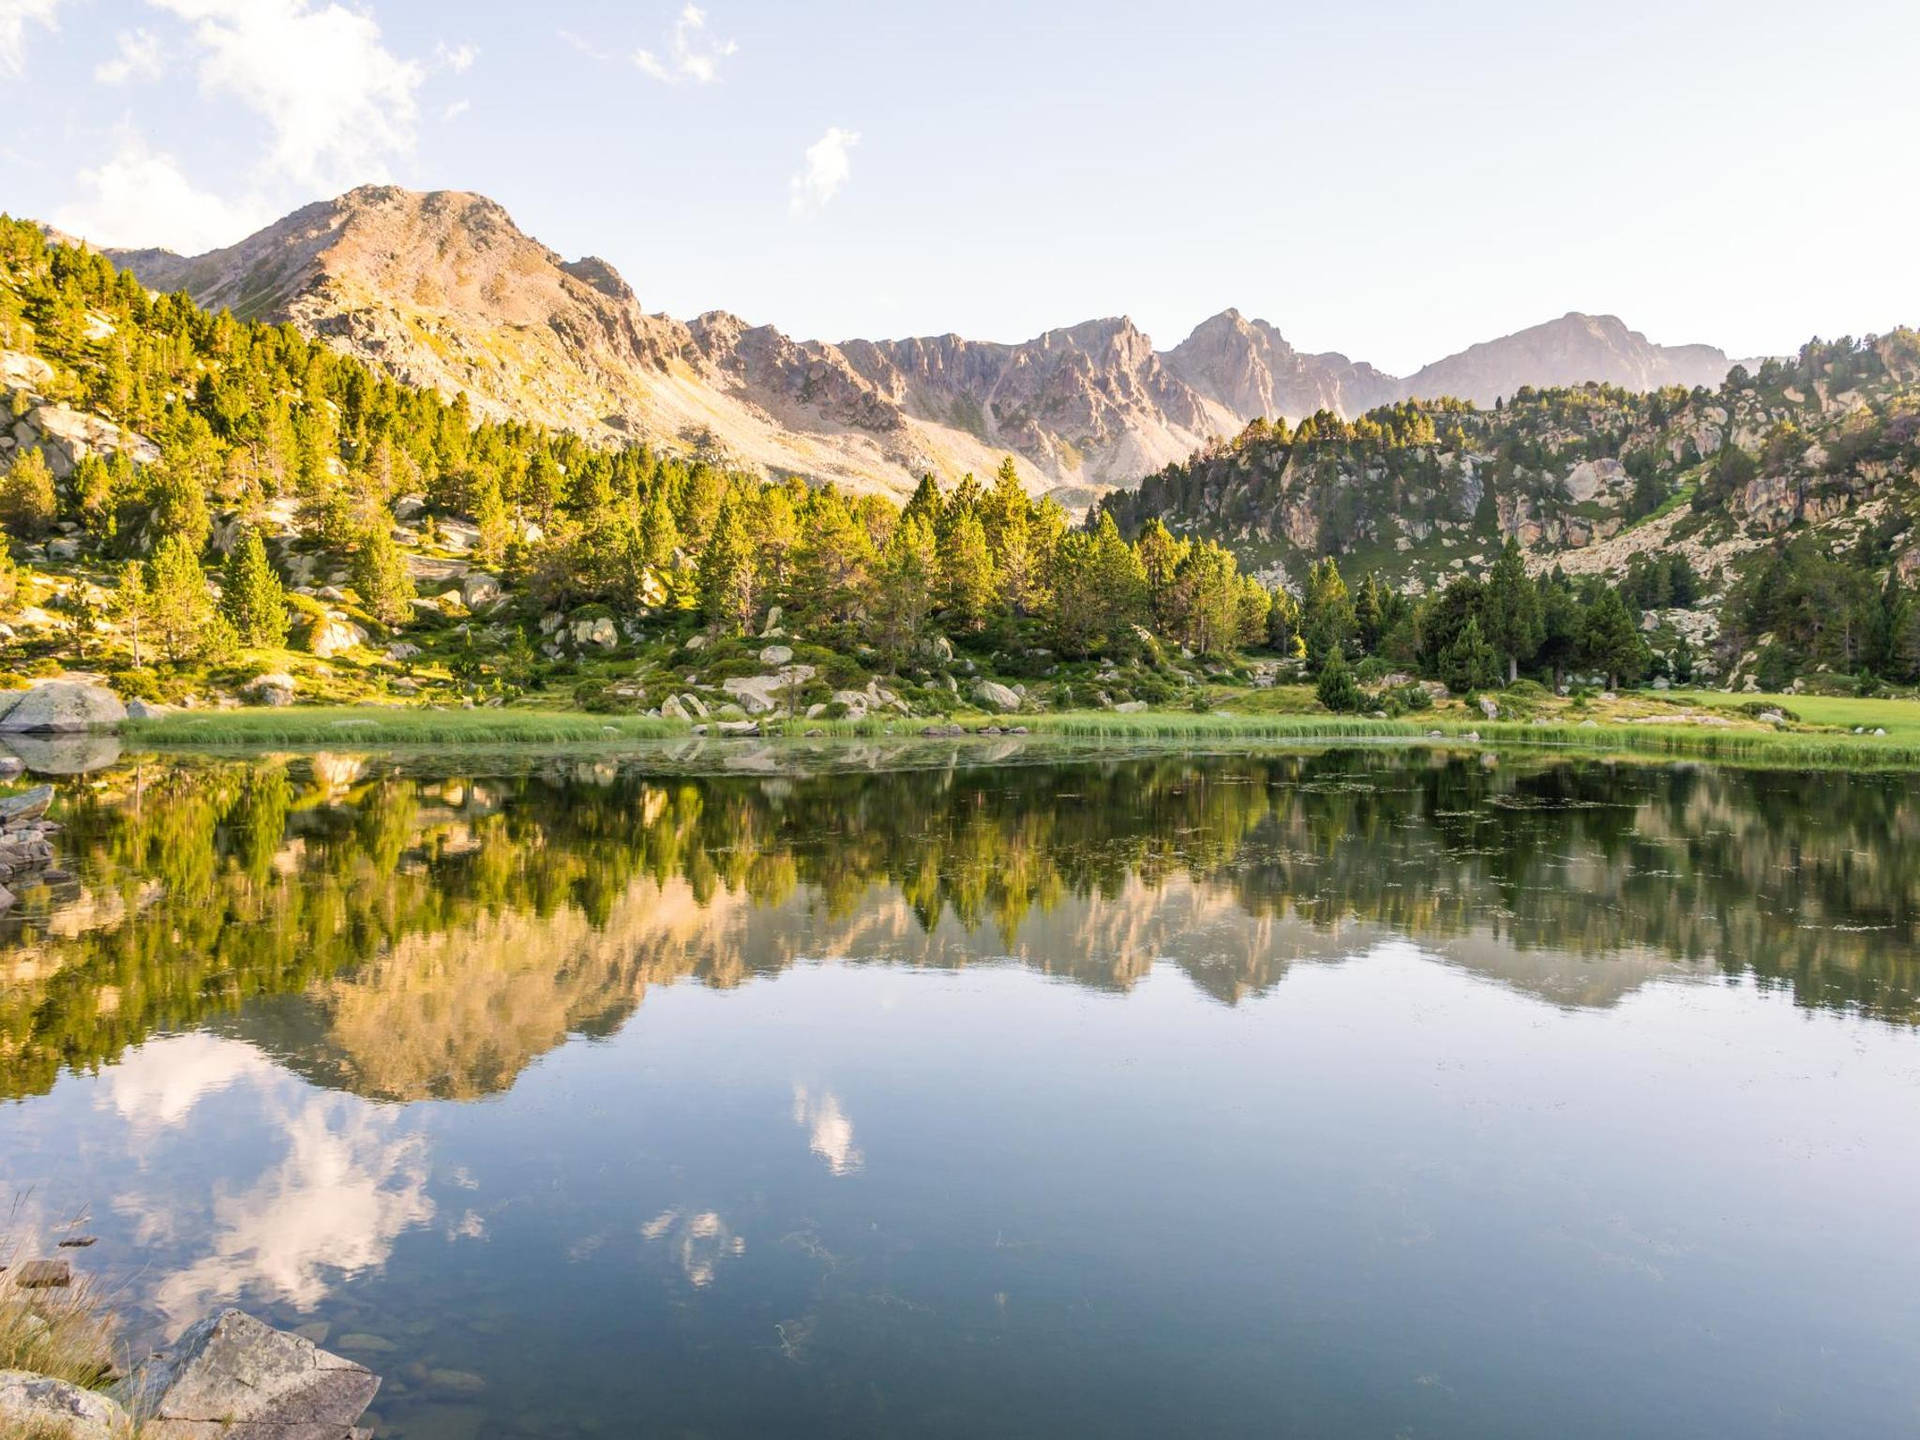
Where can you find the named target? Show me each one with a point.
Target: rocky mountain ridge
(443, 289)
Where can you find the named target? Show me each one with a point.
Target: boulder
(736, 727)
(41, 1405)
(334, 636)
(63, 707)
(996, 696)
(775, 656)
(402, 650)
(1489, 708)
(1127, 707)
(601, 632)
(25, 807)
(233, 1378)
(479, 589)
(138, 709)
(12, 767)
(275, 688)
(758, 694)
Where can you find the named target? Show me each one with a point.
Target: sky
(1391, 179)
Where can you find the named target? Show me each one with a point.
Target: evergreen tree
(381, 577)
(967, 574)
(1336, 688)
(1469, 663)
(180, 611)
(831, 567)
(1006, 517)
(903, 588)
(251, 595)
(1160, 557)
(28, 506)
(1515, 625)
(726, 576)
(1326, 609)
(1609, 640)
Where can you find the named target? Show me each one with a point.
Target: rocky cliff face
(442, 289)
(1248, 368)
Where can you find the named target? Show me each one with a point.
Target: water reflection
(430, 937)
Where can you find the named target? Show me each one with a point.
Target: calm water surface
(738, 1091)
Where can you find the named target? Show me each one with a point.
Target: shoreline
(322, 728)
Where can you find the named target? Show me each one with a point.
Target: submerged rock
(232, 1377)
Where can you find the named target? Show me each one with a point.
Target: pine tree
(178, 607)
(1326, 609)
(1469, 663)
(28, 506)
(903, 588)
(1609, 640)
(1006, 516)
(727, 580)
(251, 595)
(1515, 624)
(966, 570)
(381, 577)
(1336, 688)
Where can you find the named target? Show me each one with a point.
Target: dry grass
(67, 1332)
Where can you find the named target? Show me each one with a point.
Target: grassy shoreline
(323, 728)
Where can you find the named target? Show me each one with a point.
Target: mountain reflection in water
(405, 936)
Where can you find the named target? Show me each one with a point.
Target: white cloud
(456, 110)
(829, 1130)
(137, 58)
(139, 196)
(156, 1085)
(340, 104)
(346, 1188)
(692, 53)
(700, 1242)
(826, 172)
(457, 58)
(15, 16)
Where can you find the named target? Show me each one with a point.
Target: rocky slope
(442, 289)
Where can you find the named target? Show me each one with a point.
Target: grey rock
(26, 806)
(138, 709)
(479, 589)
(1130, 707)
(63, 707)
(12, 767)
(233, 1378)
(57, 1406)
(996, 696)
(736, 727)
(776, 655)
(1489, 708)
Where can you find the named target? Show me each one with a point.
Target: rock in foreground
(39, 1404)
(235, 1378)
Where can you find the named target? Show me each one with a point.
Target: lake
(731, 1089)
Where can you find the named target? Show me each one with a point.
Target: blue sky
(1389, 178)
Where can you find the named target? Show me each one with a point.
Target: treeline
(1478, 633)
(252, 418)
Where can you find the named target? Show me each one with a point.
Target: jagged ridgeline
(1792, 491)
(150, 438)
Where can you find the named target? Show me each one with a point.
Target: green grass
(1833, 744)
(1899, 718)
(328, 726)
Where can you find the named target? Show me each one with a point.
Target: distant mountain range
(443, 289)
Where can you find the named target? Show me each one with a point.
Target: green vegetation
(1796, 491)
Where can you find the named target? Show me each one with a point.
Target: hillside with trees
(1769, 526)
